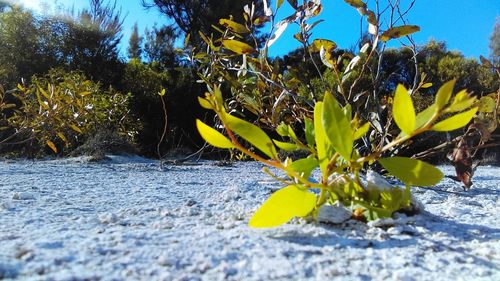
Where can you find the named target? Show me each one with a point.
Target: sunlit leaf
(399, 31)
(412, 171)
(233, 26)
(403, 110)
(456, 121)
(205, 103)
(444, 93)
(280, 28)
(323, 146)
(212, 136)
(426, 85)
(282, 206)
(461, 102)
(286, 146)
(326, 57)
(75, 128)
(318, 43)
(425, 115)
(337, 126)
(52, 146)
(361, 131)
(251, 133)
(237, 47)
(305, 166)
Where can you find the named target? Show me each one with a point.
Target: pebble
(23, 196)
(333, 214)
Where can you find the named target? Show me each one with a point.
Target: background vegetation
(63, 78)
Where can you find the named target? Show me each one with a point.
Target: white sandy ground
(127, 219)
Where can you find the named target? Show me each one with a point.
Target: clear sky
(465, 25)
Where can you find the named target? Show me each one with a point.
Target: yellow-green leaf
(361, 131)
(461, 102)
(456, 121)
(444, 93)
(282, 206)
(62, 137)
(76, 129)
(238, 47)
(487, 104)
(286, 146)
(425, 115)
(205, 103)
(52, 146)
(426, 85)
(212, 136)
(251, 133)
(403, 110)
(305, 166)
(412, 171)
(323, 146)
(399, 31)
(318, 43)
(233, 26)
(337, 126)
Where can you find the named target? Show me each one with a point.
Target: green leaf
(305, 166)
(425, 115)
(286, 146)
(237, 47)
(251, 133)
(282, 206)
(233, 26)
(444, 93)
(309, 131)
(212, 136)
(399, 31)
(361, 131)
(323, 147)
(403, 110)
(456, 121)
(337, 126)
(412, 171)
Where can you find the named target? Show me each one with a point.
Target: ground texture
(129, 219)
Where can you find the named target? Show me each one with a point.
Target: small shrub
(59, 111)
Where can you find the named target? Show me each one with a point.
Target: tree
(91, 42)
(159, 46)
(194, 16)
(135, 42)
(495, 43)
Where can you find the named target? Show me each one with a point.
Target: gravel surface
(127, 219)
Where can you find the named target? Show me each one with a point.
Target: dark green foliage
(159, 46)
(194, 16)
(134, 49)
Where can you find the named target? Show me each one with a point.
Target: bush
(62, 109)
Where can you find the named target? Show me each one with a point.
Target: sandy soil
(127, 219)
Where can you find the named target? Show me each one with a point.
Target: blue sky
(465, 25)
